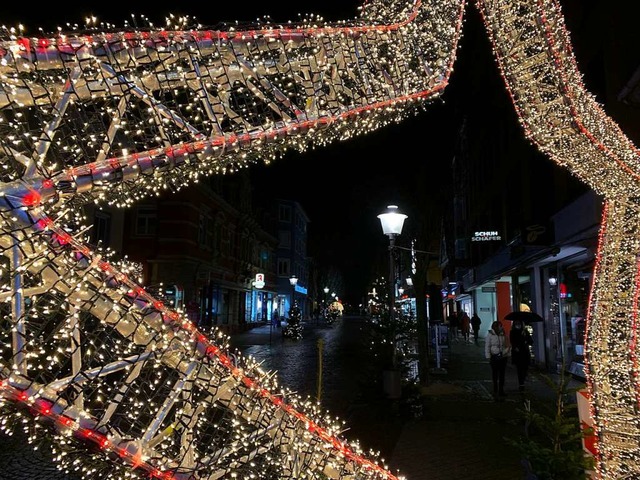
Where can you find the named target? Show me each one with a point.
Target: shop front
(569, 289)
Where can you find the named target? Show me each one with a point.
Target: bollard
(319, 386)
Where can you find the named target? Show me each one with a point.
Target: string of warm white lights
(560, 116)
(120, 114)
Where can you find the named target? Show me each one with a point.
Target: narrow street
(351, 382)
(351, 389)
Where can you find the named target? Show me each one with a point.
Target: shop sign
(259, 282)
(586, 422)
(486, 236)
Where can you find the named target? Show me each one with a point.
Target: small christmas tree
(551, 445)
(294, 327)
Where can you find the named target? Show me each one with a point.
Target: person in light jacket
(496, 349)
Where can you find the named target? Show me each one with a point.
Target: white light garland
(123, 114)
(564, 120)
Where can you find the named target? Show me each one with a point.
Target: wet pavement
(459, 431)
(456, 431)
(351, 384)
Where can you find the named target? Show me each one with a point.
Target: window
(205, 228)
(284, 267)
(146, 220)
(284, 213)
(300, 247)
(101, 232)
(285, 239)
(227, 241)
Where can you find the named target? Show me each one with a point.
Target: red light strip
(212, 351)
(96, 168)
(42, 407)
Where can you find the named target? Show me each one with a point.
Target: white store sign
(486, 236)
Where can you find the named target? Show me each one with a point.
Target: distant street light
(324, 312)
(392, 222)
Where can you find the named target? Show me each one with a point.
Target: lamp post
(392, 221)
(293, 281)
(324, 310)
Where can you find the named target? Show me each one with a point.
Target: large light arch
(114, 116)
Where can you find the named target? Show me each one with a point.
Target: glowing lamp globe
(392, 221)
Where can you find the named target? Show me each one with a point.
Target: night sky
(344, 186)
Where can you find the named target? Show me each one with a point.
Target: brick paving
(459, 433)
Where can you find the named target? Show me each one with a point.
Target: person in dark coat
(475, 326)
(465, 326)
(521, 341)
(453, 326)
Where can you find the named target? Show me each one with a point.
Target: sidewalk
(461, 433)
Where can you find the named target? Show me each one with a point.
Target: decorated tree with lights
(294, 324)
(552, 440)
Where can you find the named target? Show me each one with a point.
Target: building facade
(203, 250)
(525, 232)
(292, 259)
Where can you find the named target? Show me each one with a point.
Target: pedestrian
(521, 341)
(497, 351)
(465, 327)
(453, 326)
(475, 325)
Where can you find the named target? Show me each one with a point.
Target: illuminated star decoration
(121, 114)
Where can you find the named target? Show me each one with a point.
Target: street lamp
(392, 222)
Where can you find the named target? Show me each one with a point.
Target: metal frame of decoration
(111, 117)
